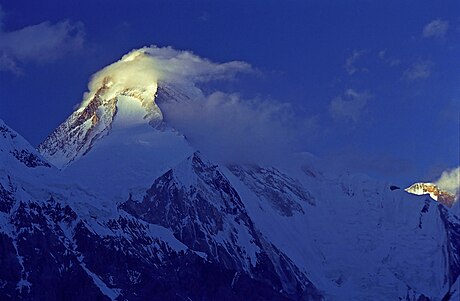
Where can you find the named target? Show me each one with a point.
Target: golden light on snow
(141, 69)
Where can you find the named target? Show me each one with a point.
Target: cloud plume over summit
(146, 66)
(450, 181)
(222, 125)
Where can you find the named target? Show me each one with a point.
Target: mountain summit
(124, 91)
(433, 191)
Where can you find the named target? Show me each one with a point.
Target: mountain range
(119, 204)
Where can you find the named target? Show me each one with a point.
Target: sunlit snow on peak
(424, 188)
(132, 55)
(436, 193)
(141, 69)
(134, 73)
(129, 113)
(137, 74)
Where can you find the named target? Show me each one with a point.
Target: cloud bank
(38, 43)
(450, 181)
(435, 29)
(227, 127)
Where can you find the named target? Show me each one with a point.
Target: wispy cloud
(146, 66)
(391, 61)
(450, 181)
(176, 65)
(228, 127)
(38, 43)
(349, 106)
(435, 29)
(350, 62)
(421, 69)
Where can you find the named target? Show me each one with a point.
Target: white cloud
(146, 66)
(349, 106)
(174, 65)
(419, 70)
(38, 43)
(351, 61)
(450, 181)
(227, 127)
(436, 28)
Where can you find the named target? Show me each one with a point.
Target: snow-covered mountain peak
(133, 75)
(128, 93)
(120, 96)
(424, 188)
(110, 107)
(435, 193)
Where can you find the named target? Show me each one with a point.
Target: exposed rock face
(205, 213)
(29, 159)
(40, 264)
(7, 196)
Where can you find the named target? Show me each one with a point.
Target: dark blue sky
(379, 82)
